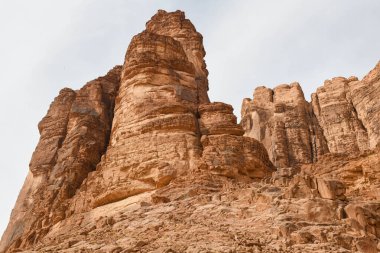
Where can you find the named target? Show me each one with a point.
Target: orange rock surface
(140, 160)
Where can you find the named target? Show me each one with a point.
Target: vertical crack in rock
(225, 150)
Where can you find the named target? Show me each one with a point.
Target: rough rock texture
(225, 151)
(284, 122)
(182, 30)
(154, 134)
(140, 161)
(162, 103)
(204, 212)
(343, 117)
(336, 114)
(74, 135)
(156, 104)
(365, 99)
(349, 112)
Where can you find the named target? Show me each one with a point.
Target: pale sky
(46, 45)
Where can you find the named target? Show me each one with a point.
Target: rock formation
(74, 135)
(342, 117)
(284, 122)
(130, 132)
(141, 161)
(343, 129)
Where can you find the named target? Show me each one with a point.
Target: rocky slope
(141, 161)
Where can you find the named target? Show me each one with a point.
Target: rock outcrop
(342, 117)
(154, 134)
(284, 122)
(74, 135)
(225, 151)
(204, 212)
(182, 30)
(364, 96)
(141, 161)
(133, 131)
(337, 116)
(161, 104)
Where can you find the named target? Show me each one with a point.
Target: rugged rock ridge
(140, 161)
(342, 117)
(132, 131)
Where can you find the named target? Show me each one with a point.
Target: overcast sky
(48, 45)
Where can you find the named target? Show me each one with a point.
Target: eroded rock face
(53, 130)
(364, 217)
(337, 116)
(209, 212)
(342, 118)
(225, 151)
(348, 111)
(135, 130)
(155, 134)
(284, 122)
(162, 119)
(364, 95)
(140, 161)
(74, 135)
(181, 29)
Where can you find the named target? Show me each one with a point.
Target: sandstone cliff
(74, 135)
(141, 161)
(343, 117)
(132, 131)
(284, 122)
